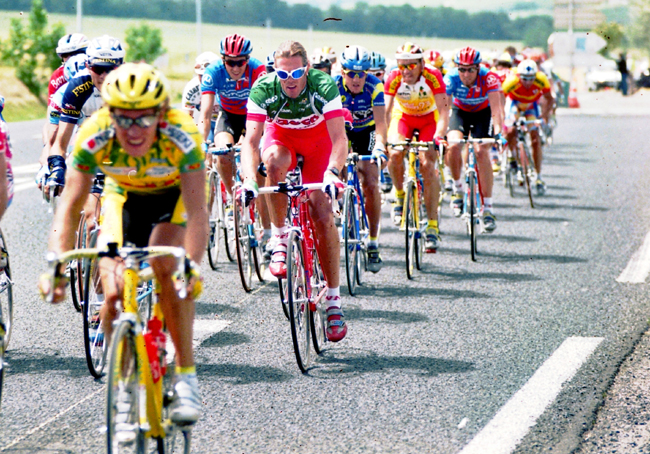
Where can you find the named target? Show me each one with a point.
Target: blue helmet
(377, 61)
(355, 58)
(105, 51)
(74, 64)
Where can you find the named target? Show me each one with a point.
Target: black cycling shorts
(478, 124)
(363, 142)
(142, 212)
(233, 124)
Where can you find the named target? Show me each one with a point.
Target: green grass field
(179, 38)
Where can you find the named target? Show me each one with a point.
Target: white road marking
(638, 267)
(202, 330)
(26, 168)
(23, 186)
(463, 423)
(509, 426)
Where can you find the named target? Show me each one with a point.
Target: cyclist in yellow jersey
(155, 195)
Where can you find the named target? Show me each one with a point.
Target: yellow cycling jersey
(176, 150)
(514, 88)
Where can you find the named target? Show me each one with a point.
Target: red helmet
(434, 58)
(236, 46)
(468, 56)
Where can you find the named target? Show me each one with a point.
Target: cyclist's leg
(369, 176)
(431, 180)
(455, 159)
(225, 163)
(397, 133)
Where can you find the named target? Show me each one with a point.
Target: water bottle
(156, 341)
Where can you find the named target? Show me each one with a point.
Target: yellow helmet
(135, 86)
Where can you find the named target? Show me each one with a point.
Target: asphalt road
(427, 364)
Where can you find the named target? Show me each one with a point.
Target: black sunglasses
(235, 63)
(144, 121)
(99, 70)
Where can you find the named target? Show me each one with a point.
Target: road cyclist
(299, 111)
(417, 92)
(523, 90)
(154, 195)
(476, 111)
(192, 92)
(363, 95)
(377, 65)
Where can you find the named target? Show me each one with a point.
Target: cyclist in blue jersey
(230, 80)
(476, 110)
(363, 95)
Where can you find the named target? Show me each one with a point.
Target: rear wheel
(94, 342)
(473, 216)
(123, 434)
(411, 229)
(297, 300)
(243, 246)
(317, 319)
(6, 292)
(350, 239)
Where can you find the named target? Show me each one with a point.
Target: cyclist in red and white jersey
(416, 100)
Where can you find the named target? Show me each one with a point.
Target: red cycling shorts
(313, 144)
(405, 124)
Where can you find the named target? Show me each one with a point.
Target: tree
(640, 30)
(613, 34)
(32, 51)
(144, 43)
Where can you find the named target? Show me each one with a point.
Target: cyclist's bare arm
(379, 114)
(389, 109)
(205, 117)
(62, 140)
(547, 107)
(496, 108)
(442, 103)
(250, 155)
(336, 129)
(196, 234)
(68, 212)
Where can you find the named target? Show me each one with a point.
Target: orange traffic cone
(573, 96)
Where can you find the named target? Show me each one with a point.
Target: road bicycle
(354, 224)
(219, 225)
(473, 198)
(414, 214)
(524, 160)
(304, 288)
(6, 306)
(139, 390)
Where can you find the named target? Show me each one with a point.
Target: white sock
(373, 243)
(487, 204)
(333, 297)
(458, 185)
(278, 231)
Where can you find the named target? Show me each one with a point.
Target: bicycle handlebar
(480, 140)
(224, 150)
(411, 144)
(289, 188)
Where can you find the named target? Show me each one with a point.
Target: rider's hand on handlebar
(248, 191)
(379, 154)
(45, 288)
(332, 185)
(192, 280)
(441, 141)
(500, 139)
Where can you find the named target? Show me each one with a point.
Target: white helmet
(527, 68)
(71, 42)
(203, 61)
(73, 65)
(105, 51)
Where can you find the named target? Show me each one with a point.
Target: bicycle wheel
(472, 194)
(243, 243)
(228, 225)
(420, 236)
(411, 231)
(123, 434)
(177, 438)
(6, 292)
(364, 234)
(317, 320)
(282, 287)
(256, 247)
(215, 219)
(76, 267)
(297, 300)
(350, 239)
(94, 342)
(527, 172)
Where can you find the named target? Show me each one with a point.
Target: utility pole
(79, 5)
(199, 38)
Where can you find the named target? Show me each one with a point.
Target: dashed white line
(638, 267)
(509, 426)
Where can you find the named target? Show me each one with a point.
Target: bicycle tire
(228, 225)
(350, 240)
(473, 216)
(411, 230)
(76, 268)
(317, 319)
(215, 219)
(364, 234)
(421, 233)
(526, 171)
(297, 300)
(6, 292)
(172, 444)
(123, 375)
(258, 261)
(95, 349)
(243, 248)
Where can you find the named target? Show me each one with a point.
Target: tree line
(442, 22)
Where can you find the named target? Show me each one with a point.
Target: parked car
(604, 75)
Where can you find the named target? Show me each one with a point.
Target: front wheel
(6, 292)
(298, 300)
(94, 342)
(527, 172)
(411, 231)
(243, 246)
(123, 432)
(216, 219)
(317, 320)
(472, 219)
(350, 239)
